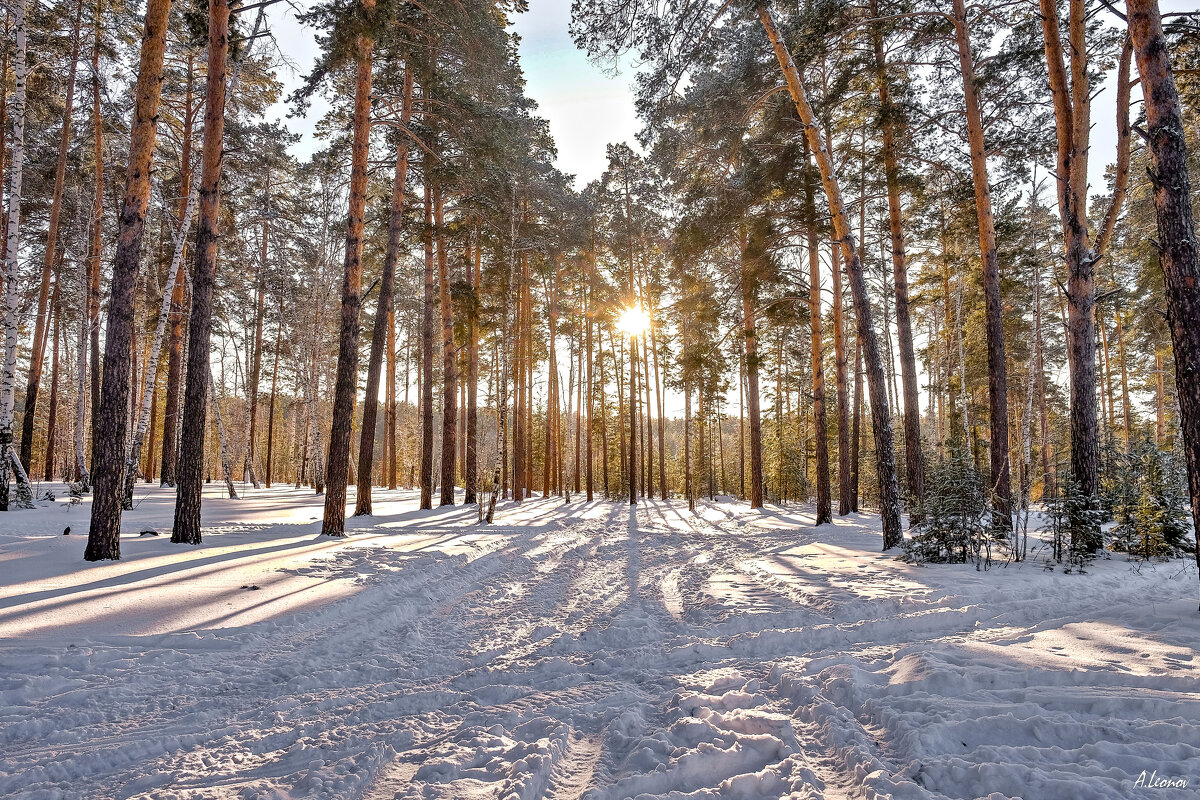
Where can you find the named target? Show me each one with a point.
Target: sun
(633, 320)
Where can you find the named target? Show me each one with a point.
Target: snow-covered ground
(576, 651)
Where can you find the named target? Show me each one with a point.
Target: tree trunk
(891, 125)
(111, 424)
(1072, 117)
(1177, 248)
(52, 412)
(143, 422)
(41, 321)
(8, 383)
(383, 312)
(824, 510)
(889, 493)
(427, 350)
(178, 309)
(843, 397)
(190, 462)
(471, 461)
(81, 471)
(856, 427)
(271, 404)
(449, 357)
(749, 324)
(334, 523)
(1000, 482)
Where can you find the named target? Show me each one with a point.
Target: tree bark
(1000, 482)
(1177, 247)
(750, 252)
(111, 424)
(449, 357)
(891, 125)
(271, 404)
(334, 522)
(383, 312)
(41, 321)
(427, 350)
(190, 463)
(471, 459)
(824, 510)
(889, 493)
(843, 397)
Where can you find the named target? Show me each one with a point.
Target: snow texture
(577, 651)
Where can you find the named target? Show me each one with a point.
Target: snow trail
(581, 651)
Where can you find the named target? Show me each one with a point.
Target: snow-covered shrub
(1072, 522)
(956, 528)
(1150, 505)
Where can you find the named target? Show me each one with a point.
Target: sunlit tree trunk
(1001, 484)
(382, 326)
(334, 523)
(913, 448)
(190, 463)
(824, 510)
(111, 423)
(1177, 247)
(889, 493)
(41, 321)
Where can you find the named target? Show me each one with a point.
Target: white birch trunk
(226, 468)
(133, 460)
(8, 381)
(85, 478)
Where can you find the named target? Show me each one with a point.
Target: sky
(586, 107)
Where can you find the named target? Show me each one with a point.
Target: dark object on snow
(253, 587)
(67, 531)
(49, 495)
(148, 532)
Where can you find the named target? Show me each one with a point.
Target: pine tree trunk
(111, 424)
(383, 312)
(1001, 484)
(1177, 247)
(427, 350)
(913, 448)
(889, 493)
(749, 324)
(271, 404)
(41, 321)
(824, 510)
(390, 425)
(81, 471)
(843, 396)
(334, 522)
(471, 460)
(190, 462)
(449, 357)
(856, 426)
(1072, 117)
(178, 311)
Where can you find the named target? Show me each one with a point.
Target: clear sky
(587, 108)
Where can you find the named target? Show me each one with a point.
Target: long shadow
(161, 570)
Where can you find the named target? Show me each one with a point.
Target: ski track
(587, 652)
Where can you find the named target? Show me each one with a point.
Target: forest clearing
(599, 399)
(578, 650)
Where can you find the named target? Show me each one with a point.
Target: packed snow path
(575, 651)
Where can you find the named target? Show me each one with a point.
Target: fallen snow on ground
(575, 651)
